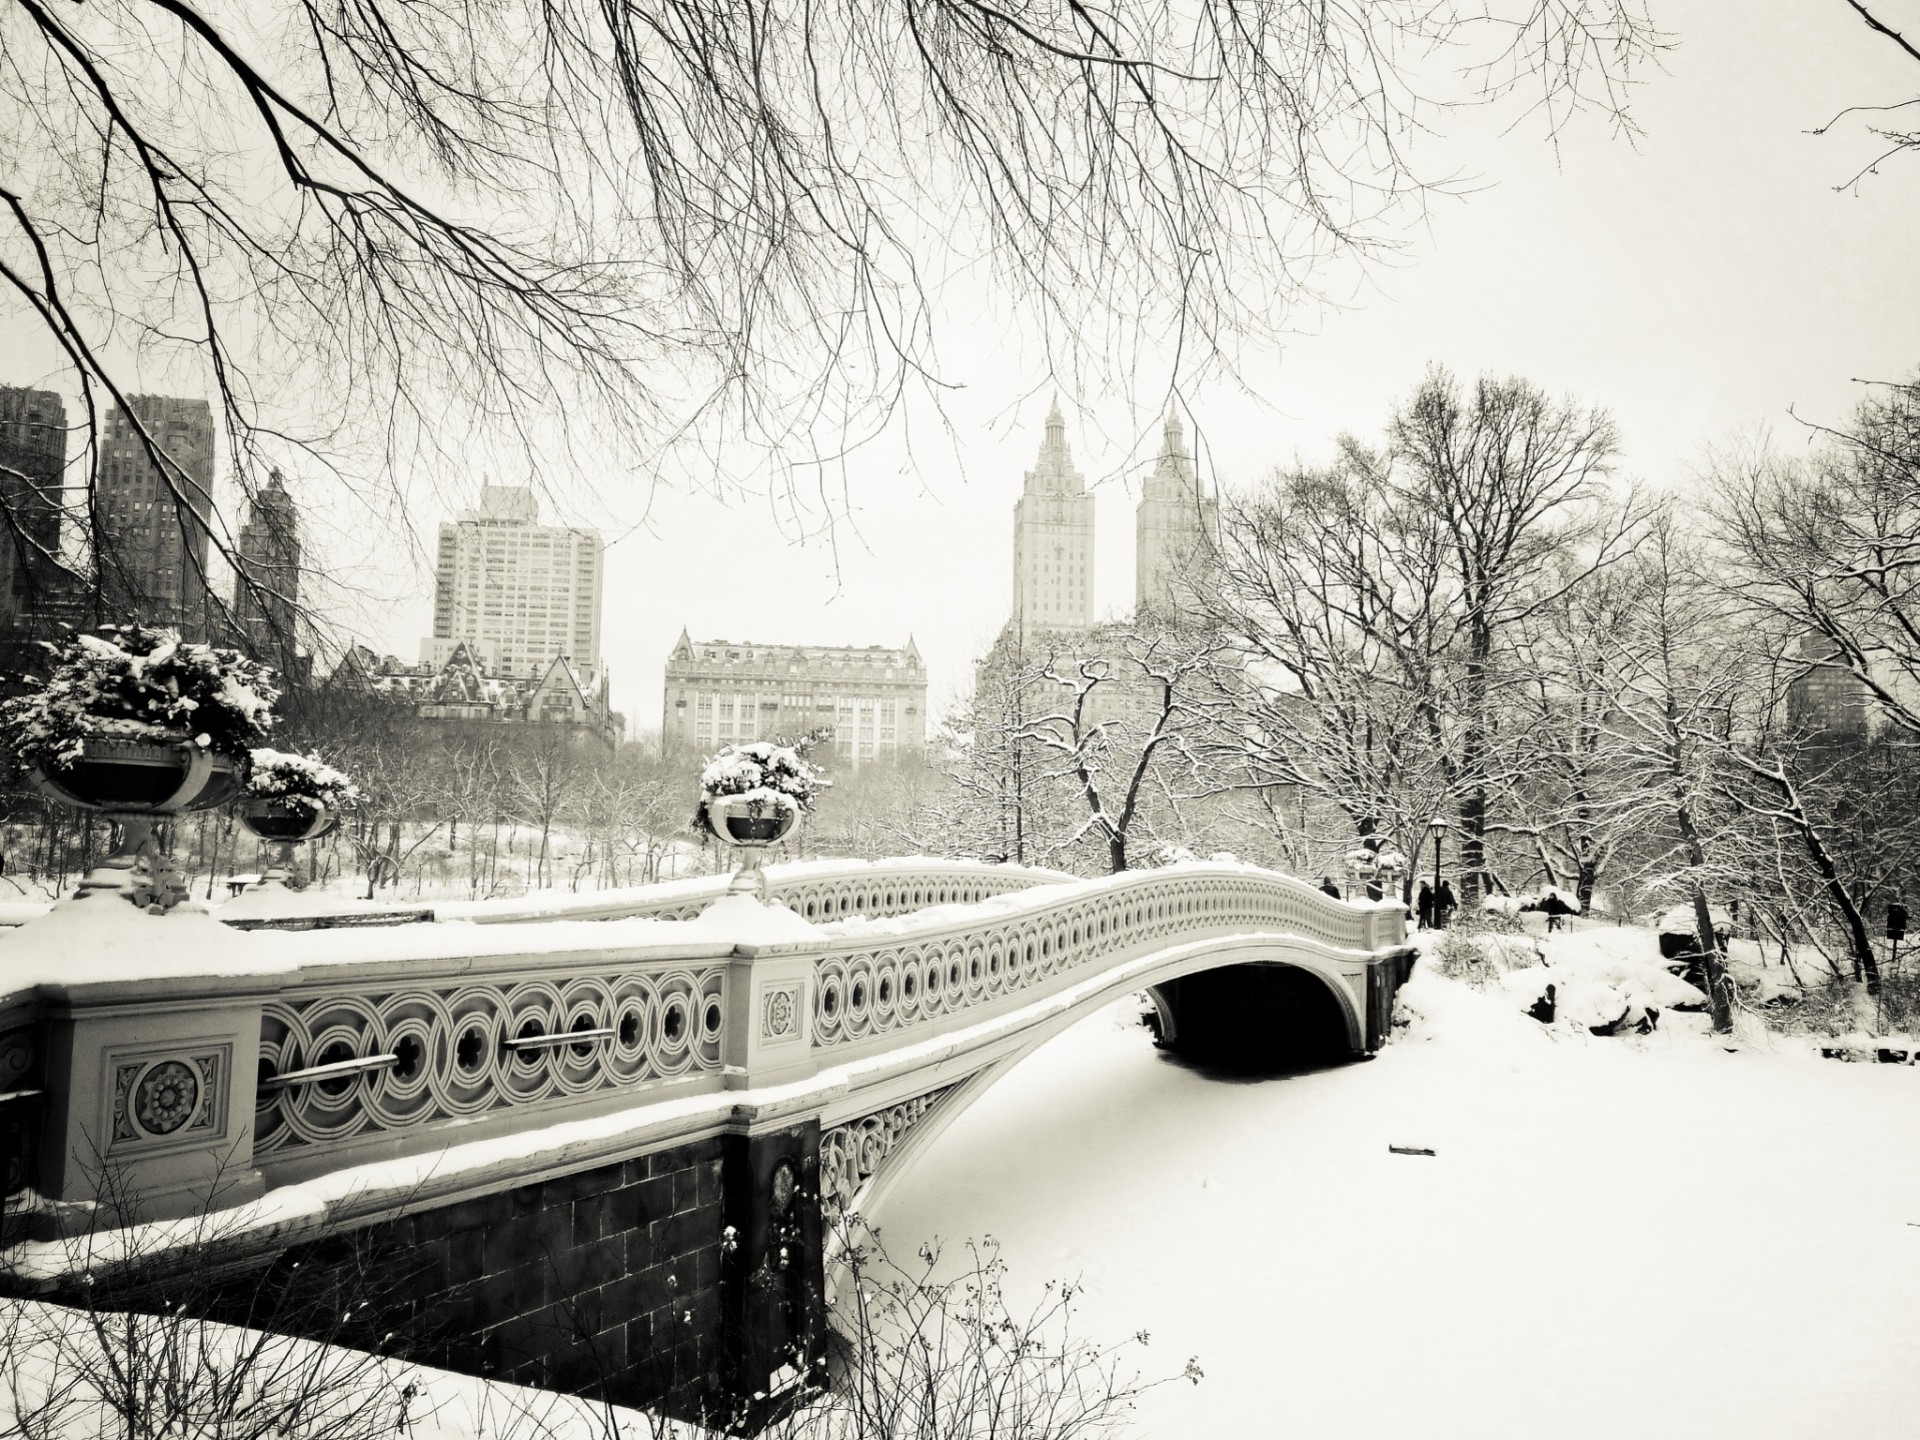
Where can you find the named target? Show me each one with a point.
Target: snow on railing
(812, 889)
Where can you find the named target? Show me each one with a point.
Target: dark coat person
(1444, 904)
(1327, 887)
(1423, 906)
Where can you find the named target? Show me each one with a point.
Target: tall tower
(1053, 541)
(150, 519)
(33, 458)
(1175, 523)
(266, 593)
(519, 594)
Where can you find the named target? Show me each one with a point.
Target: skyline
(1701, 283)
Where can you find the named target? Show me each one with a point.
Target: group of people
(1433, 907)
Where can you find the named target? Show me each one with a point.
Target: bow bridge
(606, 1148)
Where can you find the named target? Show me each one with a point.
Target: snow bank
(1653, 1237)
(1601, 979)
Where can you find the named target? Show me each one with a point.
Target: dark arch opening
(1255, 1018)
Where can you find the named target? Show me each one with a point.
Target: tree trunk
(1712, 964)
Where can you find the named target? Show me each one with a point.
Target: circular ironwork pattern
(851, 1153)
(861, 994)
(166, 1096)
(16, 1057)
(453, 1056)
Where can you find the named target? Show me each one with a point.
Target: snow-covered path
(1666, 1240)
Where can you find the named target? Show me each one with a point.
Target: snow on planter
(769, 777)
(140, 683)
(302, 781)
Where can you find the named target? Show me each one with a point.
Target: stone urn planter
(141, 778)
(135, 783)
(286, 825)
(749, 825)
(289, 800)
(288, 822)
(751, 795)
(137, 724)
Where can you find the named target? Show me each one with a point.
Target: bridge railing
(878, 981)
(295, 1055)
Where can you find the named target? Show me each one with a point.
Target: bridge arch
(868, 1147)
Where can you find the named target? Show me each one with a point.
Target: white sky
(1698, 283)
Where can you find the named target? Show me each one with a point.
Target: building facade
(1053, 541)
(1176, 524)
(719, 692)
(463, 689)
(266, 591)
(150, 515)
(33, 458)
(516, 593)
(1827, 700)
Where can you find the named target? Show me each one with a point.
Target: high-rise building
(33, 457)
(1053, 541)
(150, 517)
(719, 692)
(266, 590)
(1175, 523)
(517, 593)
(1827, 701)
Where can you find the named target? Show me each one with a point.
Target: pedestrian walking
(1444, 904)
(1423, 905)
(1327, 887)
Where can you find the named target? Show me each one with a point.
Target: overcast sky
(1701, 282)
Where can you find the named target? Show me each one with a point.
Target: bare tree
(1336, 690)
(1392, 590)
(1502, 486)
(363, 230)
(1830, 546)
(1674, 685)
(1576, 794)
(1118, 712)
(1893, 125)
(546, 776)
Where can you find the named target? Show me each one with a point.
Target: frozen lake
(1655, 1237)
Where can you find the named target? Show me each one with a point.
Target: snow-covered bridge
(610, 1147)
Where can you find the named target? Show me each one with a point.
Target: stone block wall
(606, 1282)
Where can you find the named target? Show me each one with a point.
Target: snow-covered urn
(135, 723)
(294, 797)
(291, 799)
(751, 795)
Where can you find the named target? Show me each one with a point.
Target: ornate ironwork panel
(869, 990)
(851, 1153)
(451, 1050)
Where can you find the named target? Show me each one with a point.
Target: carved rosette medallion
(851, 1153)
(779, 1014)
(168, 1098)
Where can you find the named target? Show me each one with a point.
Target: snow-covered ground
(1643, 1235)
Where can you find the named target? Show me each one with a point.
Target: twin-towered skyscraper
(1053, 533)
